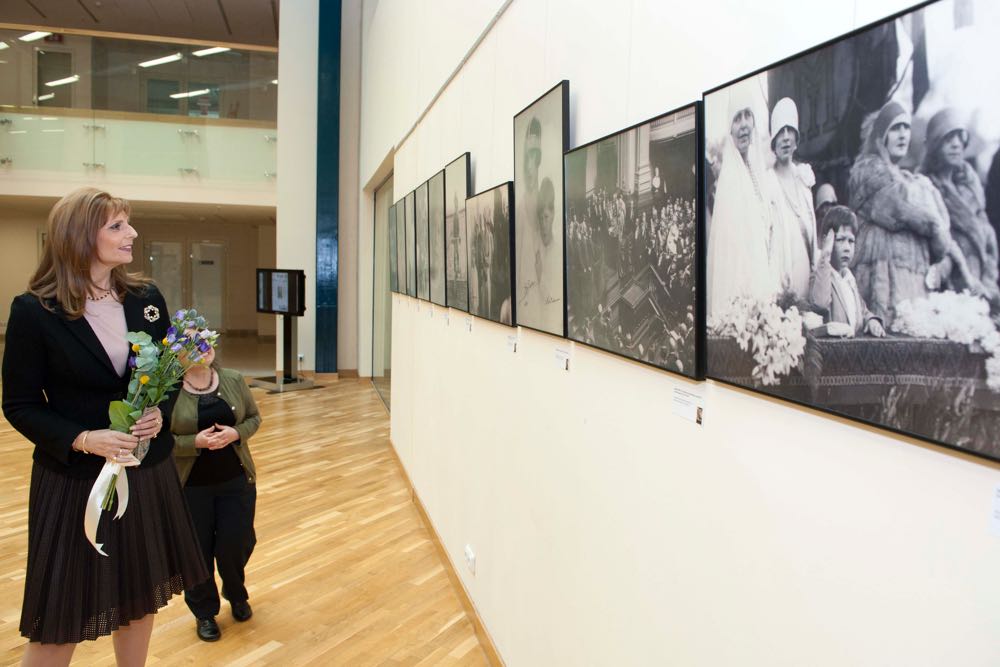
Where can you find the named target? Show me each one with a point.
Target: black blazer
(58, 380)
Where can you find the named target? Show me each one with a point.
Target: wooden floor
(344, 572)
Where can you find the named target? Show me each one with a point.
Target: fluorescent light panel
(4, 45)
(63, 82)
(192, 93)
(274, 81)
(34, 36)
(211, 51)
(46, 96)
(161, 61)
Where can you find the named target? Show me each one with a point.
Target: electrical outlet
(302, 357)
(470, 558)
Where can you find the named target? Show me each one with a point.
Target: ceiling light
(161, 61)
(33, 36)
(63, 82)
(46, 96)
(274, 81)
(4, 45)
(192, 93)
(211, 51)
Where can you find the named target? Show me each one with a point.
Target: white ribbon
(98, 492)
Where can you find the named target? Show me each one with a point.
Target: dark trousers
(223, 519)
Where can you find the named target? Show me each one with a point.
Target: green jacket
(184, 423)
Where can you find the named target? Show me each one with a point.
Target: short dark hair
(837, 217)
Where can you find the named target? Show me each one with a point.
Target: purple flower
(131, 361)
(176, 347)
(204, 347)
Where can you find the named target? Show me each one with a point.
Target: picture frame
(634, 273)
(541, 137)
(457, 189)
(393, 249)
(409, 222)
(436, 238)
(491, 261)
(821, 287)
(423, 244)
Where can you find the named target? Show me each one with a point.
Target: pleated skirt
(71, 592)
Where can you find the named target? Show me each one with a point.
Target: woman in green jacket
(213, 419)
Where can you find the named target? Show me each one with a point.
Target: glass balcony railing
(173, 113)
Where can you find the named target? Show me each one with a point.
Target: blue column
(327, 185)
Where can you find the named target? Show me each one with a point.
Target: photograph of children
(435, 208)
(490, 261)
(456, 191)
(393, 251)
(423, 245)
(411, 244)
(852, 243)
(541, 136)
(631, 242)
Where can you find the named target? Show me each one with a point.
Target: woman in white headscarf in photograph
(795, 200)
(741, 259)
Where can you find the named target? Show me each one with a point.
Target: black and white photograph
(631, 242)
(423, 270)
(399, 214)
(393, 251)
(490, 261)
(852, 201)
(435, 258)
(456, 191)
(411, 244)
(541, 136)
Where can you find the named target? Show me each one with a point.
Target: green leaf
(135, 414)
(119, 416)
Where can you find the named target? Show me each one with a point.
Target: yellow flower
(135, 347)
(165, 341)
(143, 379)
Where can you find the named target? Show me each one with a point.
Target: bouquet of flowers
(954, 316)
(157, 367)
(774, 334)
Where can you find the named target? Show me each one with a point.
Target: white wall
(298, 35)
(607, 531)
(348, 309)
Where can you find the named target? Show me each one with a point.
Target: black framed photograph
(423, 246)
(435, 257)
(541, 136)
(409, 222)
(456, 191)
(852, 197)
(491, 264)
(393, 250)
(632, 252)
(399, 214)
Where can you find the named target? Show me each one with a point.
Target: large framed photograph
(435, 258)
(399, 213)
(491, 265)
(541, 136)
(423, 247)
(852, 201)
(393, 250)
(456, 191)
(632, 251)
(409, 218)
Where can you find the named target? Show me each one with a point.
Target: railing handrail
(137, 115)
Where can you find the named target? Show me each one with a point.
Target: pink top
(107, 318)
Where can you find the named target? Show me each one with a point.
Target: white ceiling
(233, 21)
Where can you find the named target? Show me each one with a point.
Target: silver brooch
(151, 313)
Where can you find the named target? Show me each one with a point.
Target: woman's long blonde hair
(63, 274)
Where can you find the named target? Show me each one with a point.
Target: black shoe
(241, 610)
(208, 630)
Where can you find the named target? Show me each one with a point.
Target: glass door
(166, 263)
(382, 305)
(208, 280)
